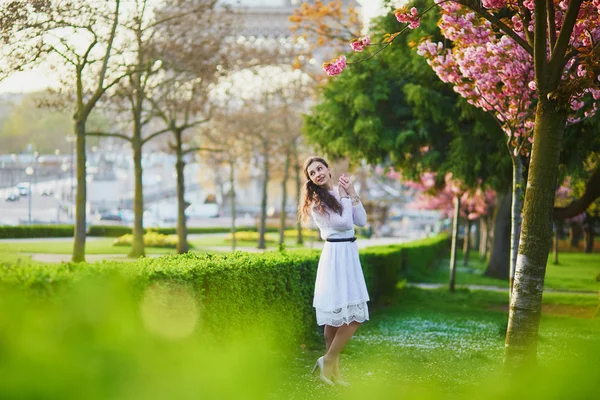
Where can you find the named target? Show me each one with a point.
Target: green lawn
(433, 344)
(98, 341)
(98, 338)
(577, 271)
(206, 243)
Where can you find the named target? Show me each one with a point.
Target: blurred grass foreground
(240, 326)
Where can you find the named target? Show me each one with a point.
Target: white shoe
(340, 381)
(321, 366)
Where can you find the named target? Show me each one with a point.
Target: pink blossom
(359, 44)
(494, 3)
(576, 105)
(412, 17)
(414, 24)
(335, 66)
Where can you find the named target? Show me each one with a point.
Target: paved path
(495, 288)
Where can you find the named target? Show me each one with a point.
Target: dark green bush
(35, 231)
(43, 231)
(242, 289)
(385, 266)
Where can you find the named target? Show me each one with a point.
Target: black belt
(352, 239)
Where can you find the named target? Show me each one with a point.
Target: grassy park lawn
(98, 339)
(434, 343)
(208, 243)
(430, 344)
(576, 271)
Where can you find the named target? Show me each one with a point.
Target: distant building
(266, 18)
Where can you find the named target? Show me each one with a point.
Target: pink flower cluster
(474, 204)
(360, 44)
(494, 3)
(411, 17)
(335, 66)
(496, 74)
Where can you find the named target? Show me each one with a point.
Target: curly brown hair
(315, 196)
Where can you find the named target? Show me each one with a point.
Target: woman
(341, 294)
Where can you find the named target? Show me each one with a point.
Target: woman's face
(319, 174)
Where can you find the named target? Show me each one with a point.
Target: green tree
(393, 110)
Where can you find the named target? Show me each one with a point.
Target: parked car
(12, 196)
(47, 192)
(23, 188)
(110, 216)
(206, 210)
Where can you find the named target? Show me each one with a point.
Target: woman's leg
(330, 332)
(343, 334)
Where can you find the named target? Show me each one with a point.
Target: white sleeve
(359, 215)
(334, 220)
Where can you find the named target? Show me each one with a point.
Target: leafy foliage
(393, 110)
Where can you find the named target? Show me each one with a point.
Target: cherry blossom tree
(453, 200)
(562, 39)
(495, 74)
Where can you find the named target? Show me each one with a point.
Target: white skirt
(340, 290)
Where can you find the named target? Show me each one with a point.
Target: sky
(41, 78)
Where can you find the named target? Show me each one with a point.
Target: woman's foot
(337, 376)
(323, 375)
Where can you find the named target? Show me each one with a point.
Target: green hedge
(35, 231)
(385, 266)
(241, 289)
(44, 231)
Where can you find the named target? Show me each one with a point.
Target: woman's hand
(347, 186)
(341, 189)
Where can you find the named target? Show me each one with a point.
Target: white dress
(340, 290)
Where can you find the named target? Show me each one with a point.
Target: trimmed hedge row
(35, 231)
(46, 231)
(239, 290)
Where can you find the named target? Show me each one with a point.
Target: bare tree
(226, 133)
(181, 99)
(168, 83)
(80, 37)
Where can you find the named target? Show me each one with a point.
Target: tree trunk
(589, 234)
(536, 235)
(286, 174)
(485, 237)
(81, 196)
(232, 190)
(515, 214)
(557, 228)
(263, 206)
(182, 244)
(476, 239)
(575, 234)
(499, 264)
(467, 242)
(454, 242)
(137, 246)
(299, 238)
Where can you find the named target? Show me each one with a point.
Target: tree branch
(107, 134)
(592, 192)
(539, 52)
(195, 149)
(101, 89)
(475, 5)
(155, 134)
(557, 57)
(551, 23)
(526, 21)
